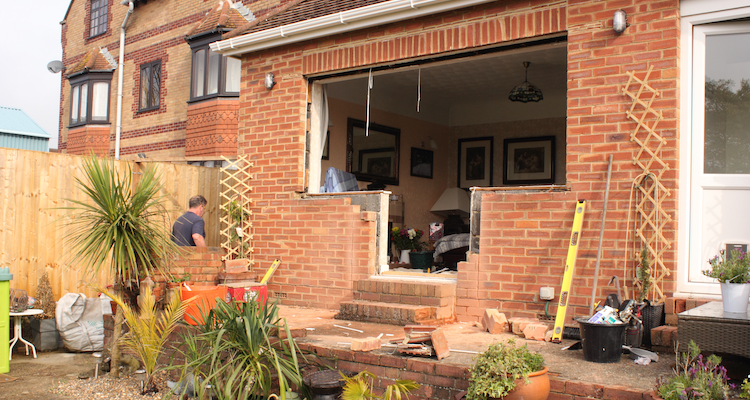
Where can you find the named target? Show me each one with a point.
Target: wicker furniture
(714, 330)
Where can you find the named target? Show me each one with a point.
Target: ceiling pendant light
(526, 91)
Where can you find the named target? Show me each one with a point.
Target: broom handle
(601, 237)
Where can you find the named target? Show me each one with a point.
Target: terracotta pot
(537, 389)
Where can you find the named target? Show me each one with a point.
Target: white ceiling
(473, 85)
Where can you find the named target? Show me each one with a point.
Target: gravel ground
(127, 387)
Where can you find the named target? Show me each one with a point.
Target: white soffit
(345, 21)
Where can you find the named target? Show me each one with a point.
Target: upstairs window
(213, 74)
(89, 99)
(98, 21)
(150, 86)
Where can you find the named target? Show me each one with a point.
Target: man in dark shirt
(189, 229)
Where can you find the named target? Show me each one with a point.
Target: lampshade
(526, 91)
(453, 201)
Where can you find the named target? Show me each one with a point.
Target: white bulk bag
(80, 322)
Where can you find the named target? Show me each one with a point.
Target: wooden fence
(34, 185)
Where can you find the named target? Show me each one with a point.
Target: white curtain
(318, 134)
(99, 101)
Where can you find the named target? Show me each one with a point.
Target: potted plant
(733, 274)
(359, 387)
(239, 217)
(44, 327)
(406, 240)
(120, 224)
(510, 372)
(651, 314)
(695, 377)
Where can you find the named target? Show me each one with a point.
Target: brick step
(406, 288)
(393, 313)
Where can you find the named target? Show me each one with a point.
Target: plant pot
(421, 259)
(734, 297)
(536, 389)
(44, 334)
(404, 257)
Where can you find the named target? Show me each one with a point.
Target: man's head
(197, 205)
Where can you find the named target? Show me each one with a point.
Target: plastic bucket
(602, 343)
(5, 277)
(206, 301)
(421, 259)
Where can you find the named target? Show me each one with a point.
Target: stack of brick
(494, 321)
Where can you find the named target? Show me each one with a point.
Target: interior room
(448, 123)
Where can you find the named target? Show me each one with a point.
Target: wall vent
(279, 295)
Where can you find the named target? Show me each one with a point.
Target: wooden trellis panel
(650, 193)
(234, 193)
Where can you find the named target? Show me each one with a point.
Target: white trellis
(236, 231)
(650, 194)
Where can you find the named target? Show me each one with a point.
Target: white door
(720, 151)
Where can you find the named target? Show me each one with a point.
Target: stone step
(393, 313)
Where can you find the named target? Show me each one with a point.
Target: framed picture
(421, 162)
(378, 163)
(326, 146)
(529, 161)
(475, 162)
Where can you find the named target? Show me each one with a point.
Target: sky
(29, 44)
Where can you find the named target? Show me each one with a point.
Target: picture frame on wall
(378, 163)
(475, 157)
(529, 161)
(421, 162)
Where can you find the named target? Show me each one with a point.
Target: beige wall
(419, 194)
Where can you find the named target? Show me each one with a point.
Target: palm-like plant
(359, 387)
(122, 223)
(236, 355)
(149, 329)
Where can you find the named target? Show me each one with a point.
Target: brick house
(179, 101)
(381, 87)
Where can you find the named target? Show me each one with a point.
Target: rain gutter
(341, 22)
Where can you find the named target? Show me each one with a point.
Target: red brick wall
(524, 236)
(89, 138)
(212, 128)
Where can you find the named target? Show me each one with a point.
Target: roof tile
(222, 16)
(93, 61)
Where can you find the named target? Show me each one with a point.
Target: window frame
(149, 107)
(99, 28)
(195, 47)
(89, 79)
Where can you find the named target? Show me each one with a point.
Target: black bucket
(421, 259)
(602, 343)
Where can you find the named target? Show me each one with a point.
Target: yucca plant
(359, 387)
(121, 223)
(149, 329)
(236, 355)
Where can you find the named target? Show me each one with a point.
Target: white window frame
(693, 13)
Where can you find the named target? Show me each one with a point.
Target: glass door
(720, 152)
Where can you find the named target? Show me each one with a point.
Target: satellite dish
(55, 66)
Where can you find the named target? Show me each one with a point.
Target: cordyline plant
(235, 353)
(121, 224)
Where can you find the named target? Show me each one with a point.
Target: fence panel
(34, 185)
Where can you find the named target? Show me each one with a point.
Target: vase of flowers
(733, 274)
(406, 240)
